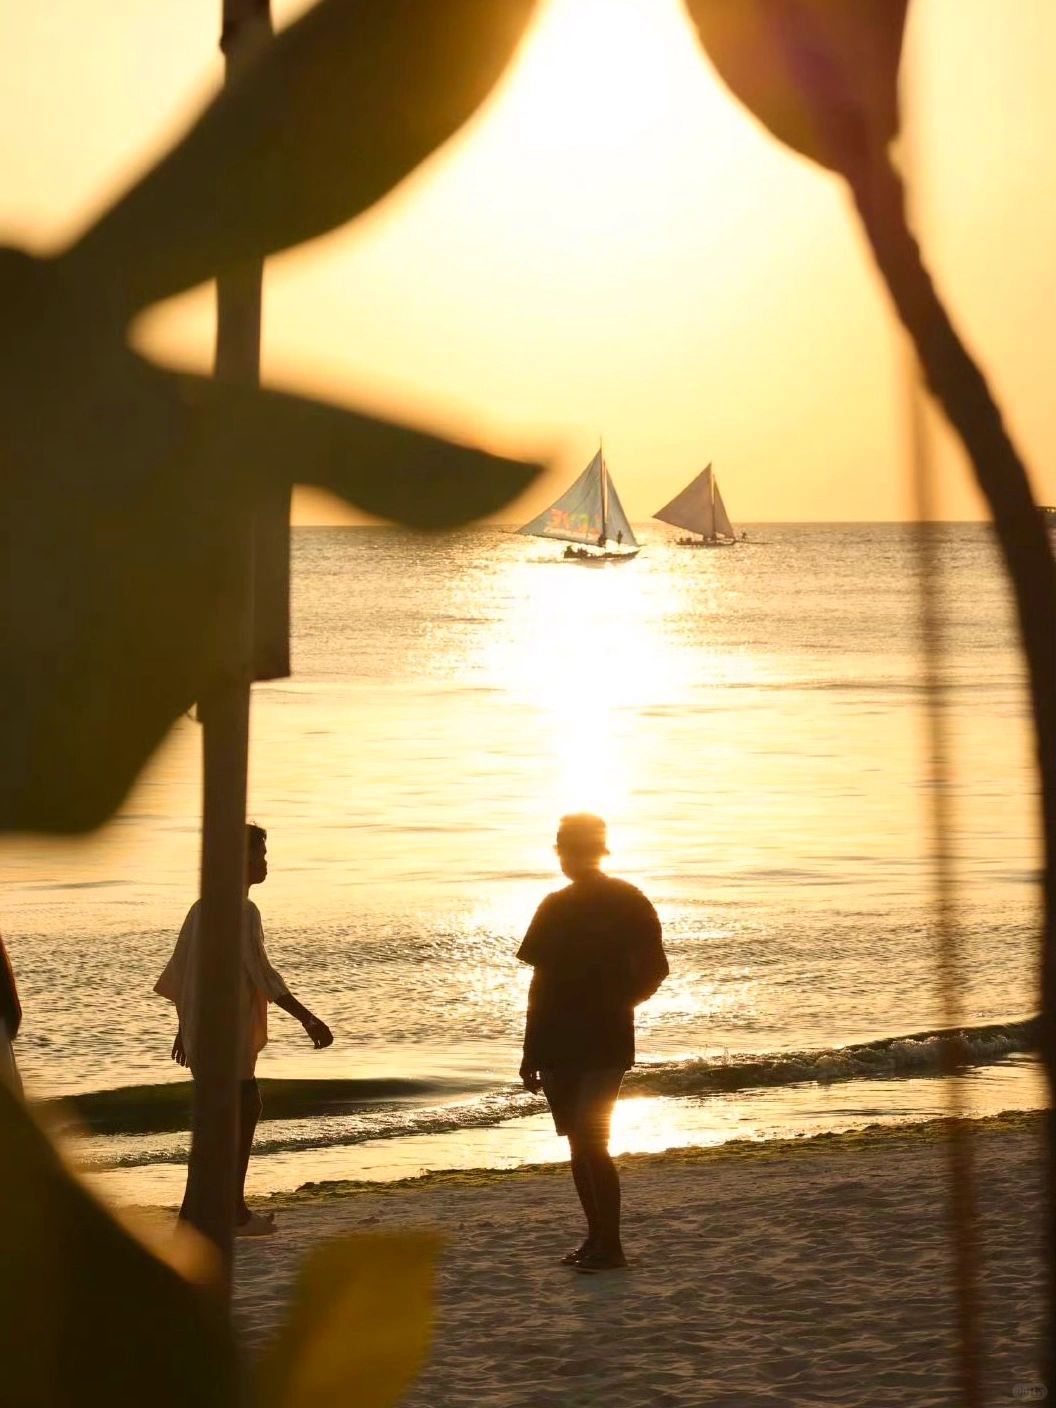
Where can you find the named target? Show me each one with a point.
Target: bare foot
(256, 1225)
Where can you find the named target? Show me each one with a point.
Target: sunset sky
(611, 245)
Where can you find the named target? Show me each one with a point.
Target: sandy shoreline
(802, 1272)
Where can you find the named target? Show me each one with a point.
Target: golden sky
(611, 246)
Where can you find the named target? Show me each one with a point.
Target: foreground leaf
(87, 1314)
(360, 1325)
(123, 487)
(330, 115)
(122, 491)
(821, 75)
(389, 470)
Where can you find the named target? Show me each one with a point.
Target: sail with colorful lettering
(588, 513)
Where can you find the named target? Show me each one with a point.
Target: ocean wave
(919, 1053)
(163, 1109)
(354, 1111)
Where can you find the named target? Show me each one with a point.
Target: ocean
(750, 723)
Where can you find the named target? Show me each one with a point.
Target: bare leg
(249, 1113)
(604, 1179)
(585, 1188)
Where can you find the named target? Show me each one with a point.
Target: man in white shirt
(260, 985)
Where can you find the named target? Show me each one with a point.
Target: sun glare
(598, 108)
(582, 655)
(596, 74)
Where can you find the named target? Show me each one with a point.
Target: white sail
(699, 508)
(588, 512)
(723, 526)
(617, 527)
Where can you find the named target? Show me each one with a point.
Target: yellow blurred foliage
(360, 1325)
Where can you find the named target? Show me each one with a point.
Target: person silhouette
(597, 952)
(259, 985)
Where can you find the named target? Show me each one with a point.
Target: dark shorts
(582, 1102)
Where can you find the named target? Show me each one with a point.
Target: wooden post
(224, 711)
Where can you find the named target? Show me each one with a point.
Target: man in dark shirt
(597, 953)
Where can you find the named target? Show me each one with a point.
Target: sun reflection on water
(588, 651)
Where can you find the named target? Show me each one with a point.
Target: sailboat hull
(707, 542)
(599, 559)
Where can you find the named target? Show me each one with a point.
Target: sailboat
(700, 510)
(588, 513)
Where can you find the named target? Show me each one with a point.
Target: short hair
(583, 832)
(255, 835)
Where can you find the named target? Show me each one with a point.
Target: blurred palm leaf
(122, 484)
(112, 580)
(87, 1314)
(326, 119)
(392, 471)
(360, 1325)
(821, 75)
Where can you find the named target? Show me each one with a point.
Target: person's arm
(532, 949)
(171, 983)
(10, 1007)
(649, 966)
(273, 986)
(529, 1072)
(318, 1032)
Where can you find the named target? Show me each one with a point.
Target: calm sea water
(750, 723)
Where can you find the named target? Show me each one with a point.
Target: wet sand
(813, 1271)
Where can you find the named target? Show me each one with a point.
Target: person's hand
(179, 1054)
(530, 1077)
(319, 1033)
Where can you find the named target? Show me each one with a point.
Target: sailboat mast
(711, 486)
(604, 493)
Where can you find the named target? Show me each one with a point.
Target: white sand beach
(797, 1273)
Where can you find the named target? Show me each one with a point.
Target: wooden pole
(224, 711)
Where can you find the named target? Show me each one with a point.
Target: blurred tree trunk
(961, 389)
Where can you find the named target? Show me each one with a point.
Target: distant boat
(588, 513)
(700, 510)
